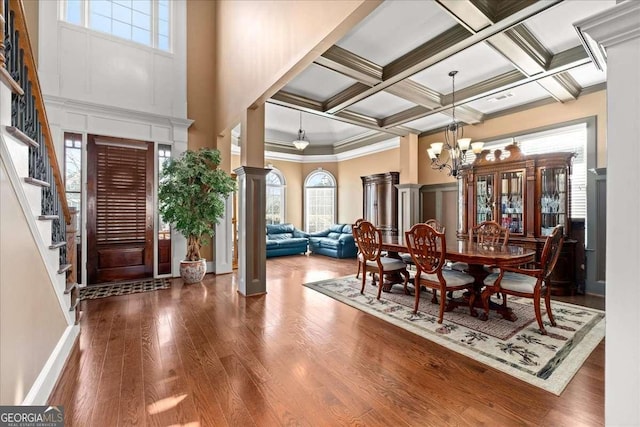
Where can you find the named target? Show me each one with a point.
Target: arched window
(320, 201)
(275, 197)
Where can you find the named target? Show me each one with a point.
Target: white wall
(95, 83)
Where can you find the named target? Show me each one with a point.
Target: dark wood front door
(119, 209)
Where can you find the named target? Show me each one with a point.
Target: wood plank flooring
(203, 355)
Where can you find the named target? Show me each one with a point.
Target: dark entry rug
(516, 348)
(123, 288)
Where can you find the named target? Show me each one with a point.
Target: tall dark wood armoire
(380, 201)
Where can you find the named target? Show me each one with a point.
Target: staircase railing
(29, 116)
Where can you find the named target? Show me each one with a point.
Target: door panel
(119, 209)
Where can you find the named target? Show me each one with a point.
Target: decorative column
(252, 251)
(618, 31)
(408, 206)
(408, 189)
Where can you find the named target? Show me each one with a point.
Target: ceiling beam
(468, 14)
(415, 92)
(351, 65)
(307, 105)
(441, 47)
(560, 63)
(522, 49)
(561, 86)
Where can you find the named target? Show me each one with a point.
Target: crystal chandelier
(301, 141)
(456, 145)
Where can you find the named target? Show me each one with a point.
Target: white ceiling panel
(588, 75)
(474, 65)
(554, 27)
(510, 98)
(433, 121)
(318, 83)
(381, 105)
(395, 28)
(282, 124)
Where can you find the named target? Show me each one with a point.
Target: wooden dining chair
(488, 233)
(369, 241)
(436, 226)
(428, 247)
(528, 282)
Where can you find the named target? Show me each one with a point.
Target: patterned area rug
(123, 288)
(516, 348)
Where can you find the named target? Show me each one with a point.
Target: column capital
(250, 170)
(409, 186)
(613, 26)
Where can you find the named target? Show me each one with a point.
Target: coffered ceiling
(389, 75)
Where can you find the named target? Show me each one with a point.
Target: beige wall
(593, 104)
(350, 184)
(201, 55)
(264, 44)
(31, 320)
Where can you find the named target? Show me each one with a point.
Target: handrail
(20, 24)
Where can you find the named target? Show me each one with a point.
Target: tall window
(73, 174)
(275, 197)
(164, 153)
(142, 21)
(320, 201)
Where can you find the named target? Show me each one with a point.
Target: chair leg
(443, 301)
(415, 307)
(472, 303)
(434, 298)
(405, 273)
(486, 294)
(380, 282)
(547, 303)
(364, 278)
(536, 306)
(358, 273)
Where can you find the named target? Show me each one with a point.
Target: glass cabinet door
(553, 199)
(484, 198)
(511, 201)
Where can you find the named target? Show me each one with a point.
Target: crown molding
(613, 26)
(84, 107)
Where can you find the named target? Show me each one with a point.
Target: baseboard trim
(46, 380)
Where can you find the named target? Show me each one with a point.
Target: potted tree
(192, 195)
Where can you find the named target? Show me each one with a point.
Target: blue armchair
(285, 239)
(337, 241)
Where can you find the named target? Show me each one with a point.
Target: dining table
(476, 256)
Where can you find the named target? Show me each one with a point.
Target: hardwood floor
(204, 355)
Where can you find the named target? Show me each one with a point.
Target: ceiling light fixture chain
(301, 141)
(456, 145)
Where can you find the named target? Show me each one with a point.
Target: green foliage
(192, 195)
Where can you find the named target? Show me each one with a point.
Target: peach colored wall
(350, 184)
(31, 319)
(263, 44)
(593, 104)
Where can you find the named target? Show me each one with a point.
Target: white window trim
(283, 198)
(335, 194)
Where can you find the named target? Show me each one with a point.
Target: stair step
(37, 182)
(64, 268)
(70, 288)
(20, 136)
(47, 217)
(58, 245)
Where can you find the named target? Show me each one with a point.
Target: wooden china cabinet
(529, 195)
(380, 201)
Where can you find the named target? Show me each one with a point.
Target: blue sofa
(337, 241)
(285, 239)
